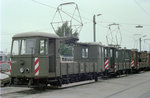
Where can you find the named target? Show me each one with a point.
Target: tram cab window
(111, 52)
(84, 52)
(16, 47)
(43, 47)
(28, 46)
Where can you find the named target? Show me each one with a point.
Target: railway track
(18, 92)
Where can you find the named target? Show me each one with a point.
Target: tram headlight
(27, 70)
(21, 70)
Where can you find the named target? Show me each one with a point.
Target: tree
(65, 31)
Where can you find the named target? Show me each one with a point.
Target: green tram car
(118, 60)
(109, 60)
(36, 61)
(124, 61)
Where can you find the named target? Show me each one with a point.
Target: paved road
(132, 86)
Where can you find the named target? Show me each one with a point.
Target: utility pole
(94, 27)
(140, 40)
(140, 43)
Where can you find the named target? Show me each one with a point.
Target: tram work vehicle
(36, 61)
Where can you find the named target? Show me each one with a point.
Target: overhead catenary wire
(43, 4)
(104, 22)
(90, 20)
(121, 23)
(139, 5)
(54, 8)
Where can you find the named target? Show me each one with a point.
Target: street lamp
(139, 26)
(94, 27)
(140, 39)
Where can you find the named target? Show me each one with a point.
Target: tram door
(112, 58)
(52, 55)
(106, 58)
(43, 56)
(47, 55)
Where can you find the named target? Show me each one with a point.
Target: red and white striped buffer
(115, 67)
(106, 64)
(36, 66)
(132, 63)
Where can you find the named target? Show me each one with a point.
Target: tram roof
(89, 43)
(36, 34)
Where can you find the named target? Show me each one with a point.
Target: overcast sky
(18, 16)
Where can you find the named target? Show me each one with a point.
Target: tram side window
(16, 47)
(84, 52)
(105, 52)
(43, 47)
(102, 51)
(111, 52)
(116, 54)
(126, 54)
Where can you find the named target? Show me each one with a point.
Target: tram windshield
(25, 46)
